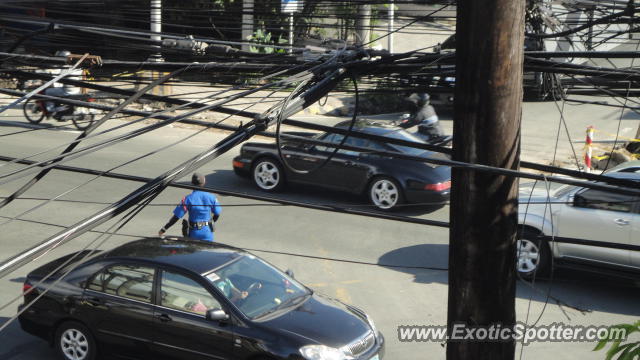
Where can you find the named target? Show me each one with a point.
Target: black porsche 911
(187, 299)
(386, 181)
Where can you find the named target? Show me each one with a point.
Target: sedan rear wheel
(268, 175)
(74, 342)
(385, 193)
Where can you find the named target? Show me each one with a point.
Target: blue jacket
(199, 205)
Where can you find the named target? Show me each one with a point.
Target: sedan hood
(320, 320)
(537, 195)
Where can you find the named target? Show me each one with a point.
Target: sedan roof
(193, 255)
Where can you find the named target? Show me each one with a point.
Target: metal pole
(291, 32)
(247, 22)
(484, 206)
(156, 27)
(363, 23)
(392, 12)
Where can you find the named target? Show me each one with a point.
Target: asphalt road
(394, 295)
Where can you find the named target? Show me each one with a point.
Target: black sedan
(386, 181)
(185, 299)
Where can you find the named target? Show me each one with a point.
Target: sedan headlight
(322, 352)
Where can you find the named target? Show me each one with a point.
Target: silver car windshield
(255, 287)
(564, 190)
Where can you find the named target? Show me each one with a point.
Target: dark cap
(197, 179)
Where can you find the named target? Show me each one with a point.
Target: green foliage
(264, 37)
(222, 3)
(619, 351)
(198, 4)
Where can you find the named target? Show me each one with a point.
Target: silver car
(579, 227)
(629, 166)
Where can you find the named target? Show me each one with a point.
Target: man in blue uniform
(200, 205)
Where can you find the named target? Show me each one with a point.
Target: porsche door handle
(621, 221)
(164, 317)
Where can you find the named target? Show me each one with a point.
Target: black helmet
(419, 98)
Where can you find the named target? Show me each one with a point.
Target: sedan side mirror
(290, 273)
(217, 315)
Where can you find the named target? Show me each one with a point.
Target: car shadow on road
(18, 345)
(584, 292)
(222, 180)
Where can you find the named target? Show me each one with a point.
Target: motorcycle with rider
(35, 110)
(426, 119)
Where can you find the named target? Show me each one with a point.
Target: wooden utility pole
(488, 96)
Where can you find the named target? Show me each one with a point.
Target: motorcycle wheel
(33, 111)
(84, 121)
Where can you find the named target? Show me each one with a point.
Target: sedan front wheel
(74, 342)
(533, 255)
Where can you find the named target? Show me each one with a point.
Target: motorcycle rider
(62, 90)
(425, 116)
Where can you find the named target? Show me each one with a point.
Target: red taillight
(26, 287)
(238, 164)
(439, 186)
(91, 100)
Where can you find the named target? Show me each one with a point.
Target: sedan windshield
(255, 287)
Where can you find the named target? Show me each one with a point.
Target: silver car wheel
(74, 344)
(266, 175)
(384, 194)
(528, 256)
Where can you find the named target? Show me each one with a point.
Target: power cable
(19, 173)
(45, 85)
(128, 217)
(335, 205)
(84, 134)
(160, 182)
(624, 106)
(13, 196)
(335, 150)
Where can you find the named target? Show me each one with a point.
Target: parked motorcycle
(35, 110)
